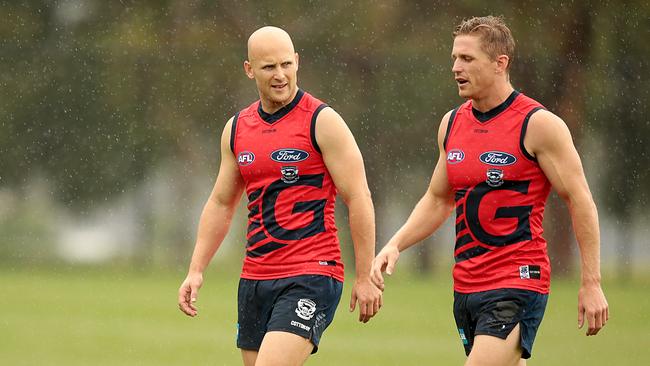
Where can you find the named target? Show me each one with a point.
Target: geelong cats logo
(305, 309)
(289, 174)
(494, 177)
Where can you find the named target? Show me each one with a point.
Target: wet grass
(122, 317)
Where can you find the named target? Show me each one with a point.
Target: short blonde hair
(496, 38)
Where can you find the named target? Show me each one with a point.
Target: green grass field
(111, 317)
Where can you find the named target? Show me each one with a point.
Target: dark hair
(496, 38)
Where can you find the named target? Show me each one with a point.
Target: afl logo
(497, 158)
(289, 155)
(245, 158)
(455, 156)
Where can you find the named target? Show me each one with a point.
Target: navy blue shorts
(302, 305)
(496, 313)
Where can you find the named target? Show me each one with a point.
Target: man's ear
(248, 69)
(502, 64)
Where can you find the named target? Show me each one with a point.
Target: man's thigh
(283, 349)
(249, 357)
(493, 351)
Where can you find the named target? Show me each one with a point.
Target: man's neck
(271, 107)
(493, 98)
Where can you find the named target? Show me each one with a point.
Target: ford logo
(497, 158)
(289, 155)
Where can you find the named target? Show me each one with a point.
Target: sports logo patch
(305, 309)
(289, 174)
(494, 177)
(455, 156)
(245, 158)
(530, 272)
(289, 155)
(497, 158)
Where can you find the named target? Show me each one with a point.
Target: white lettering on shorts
(300, 325)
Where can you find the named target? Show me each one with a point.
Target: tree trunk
(570, 106)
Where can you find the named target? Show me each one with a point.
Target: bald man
(290, 153)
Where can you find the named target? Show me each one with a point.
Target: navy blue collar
(486, 116)
(273, 117)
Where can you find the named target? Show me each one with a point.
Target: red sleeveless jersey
(291, 195)
(500, 193)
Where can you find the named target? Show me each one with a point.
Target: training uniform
(502, 269)
(292, 274)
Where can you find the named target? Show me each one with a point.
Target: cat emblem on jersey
(494, 177)
(289, 174)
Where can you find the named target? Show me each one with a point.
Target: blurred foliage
(97, 94)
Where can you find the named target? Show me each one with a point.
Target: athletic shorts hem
(295, 331)
(525, 347)
(248, 348)
(502, 335)
(525, 342)
(313, 340)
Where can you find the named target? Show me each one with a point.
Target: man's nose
(279, 73)
(456, 67)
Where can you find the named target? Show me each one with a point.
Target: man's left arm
(345, 164)
(549, 140)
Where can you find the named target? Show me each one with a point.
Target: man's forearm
(362, 229)
(427, 216)
(213, 227)
(585, 225)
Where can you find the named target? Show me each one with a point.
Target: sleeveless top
(291, 195)
(500, 193)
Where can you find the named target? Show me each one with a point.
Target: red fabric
(491, 213)
(294, 218)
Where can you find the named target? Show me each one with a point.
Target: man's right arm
(214, 223)
(427, 216)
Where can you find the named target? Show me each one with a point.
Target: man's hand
(592, 305)
(188, 293)
(384, 262)
(369, 297)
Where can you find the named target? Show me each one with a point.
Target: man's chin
(464, 94)
(281, 97)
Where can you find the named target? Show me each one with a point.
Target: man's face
(474, 70)
(275, 70)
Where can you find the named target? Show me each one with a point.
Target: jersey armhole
(524, 127)
(233, 132)
(451, 121)
(313, 126)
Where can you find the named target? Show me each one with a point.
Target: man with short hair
(290, 153)
(500, 154)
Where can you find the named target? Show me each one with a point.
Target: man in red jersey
(290, 153)
(500, 153)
